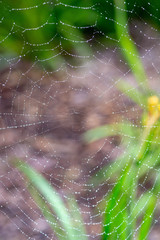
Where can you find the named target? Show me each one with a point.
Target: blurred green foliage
(126, 203)
(134, 175)
(46, 31)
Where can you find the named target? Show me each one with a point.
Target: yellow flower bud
(154, 100)
(153, 104)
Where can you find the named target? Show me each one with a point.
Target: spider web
(47, 104)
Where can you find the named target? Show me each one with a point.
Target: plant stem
(147, 137)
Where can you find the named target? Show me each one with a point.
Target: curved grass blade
(147, 219)
(50, 195)
(47, 213)
(118, 206)
(124, 129)
(129, 49)
(143, 203)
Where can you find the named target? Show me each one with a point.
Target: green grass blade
(47, 213)
(150, 163)
(78, 223)
(143, 203)
(147, 220)
(50, 195)
(123, 129)
(98, 133)
(129, 49)
(117, 207)
(156, 175)
(146, 143)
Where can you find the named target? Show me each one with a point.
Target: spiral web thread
(44, 111)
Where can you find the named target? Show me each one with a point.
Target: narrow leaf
(50, 195)
(125, 129)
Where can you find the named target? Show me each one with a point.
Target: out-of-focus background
(59, 61)
(39, 30)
